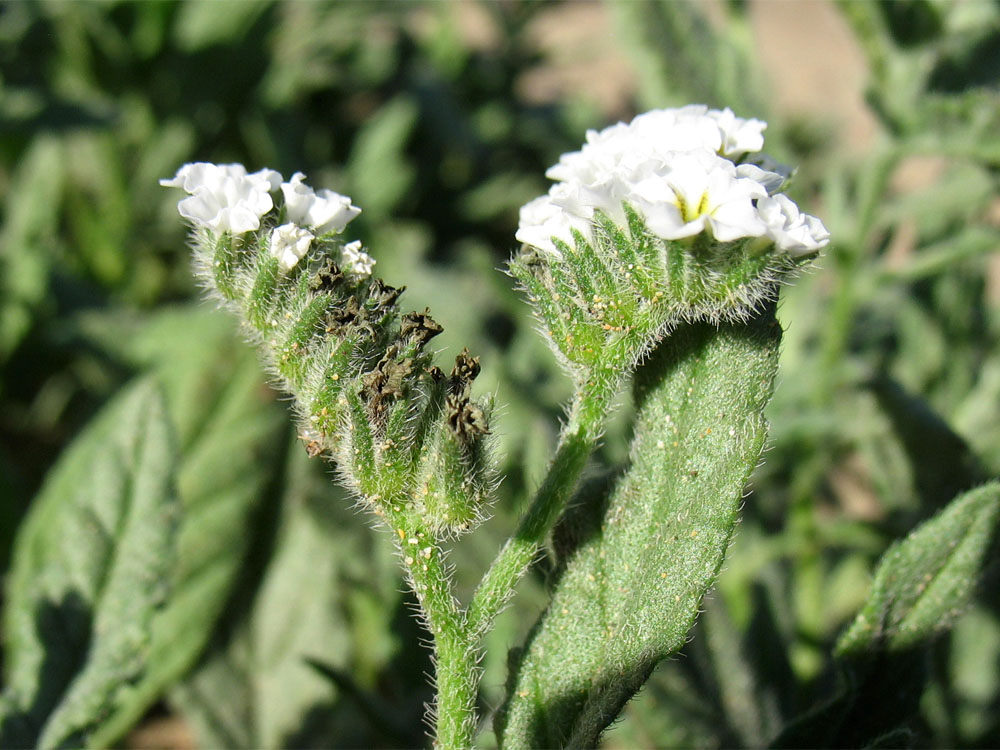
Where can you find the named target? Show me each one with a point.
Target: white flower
(324, 212)
(771, 180)
(738, 136)
(542, 219)
(224, 198)
(355, 261)
(654, 135)
(700, 191)
(792, 231)
(289, 244)
(677, 168)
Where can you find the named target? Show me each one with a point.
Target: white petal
(289, 243)
(355, 260)
(324, 212)
(224, 197)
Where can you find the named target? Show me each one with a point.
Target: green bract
(605, 303)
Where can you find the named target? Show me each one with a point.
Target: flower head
(223, 197)
(686, 171)
(324, 212)
(289, 243)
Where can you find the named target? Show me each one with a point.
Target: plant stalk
(456, 674)
(576, 443)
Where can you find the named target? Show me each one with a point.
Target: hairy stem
(456, 674)
(576, 443)
(456, 632)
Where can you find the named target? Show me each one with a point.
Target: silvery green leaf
(230, 434)
(257, 686)
(632, 589)
(92, 566)
(924, 582)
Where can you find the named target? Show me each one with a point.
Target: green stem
(456, 633)
(456, 673)
(576, 443)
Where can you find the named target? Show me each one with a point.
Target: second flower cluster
(225, 198)
(685, 171)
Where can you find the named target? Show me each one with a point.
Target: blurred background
(439, 120)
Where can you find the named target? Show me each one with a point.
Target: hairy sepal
(604, 304)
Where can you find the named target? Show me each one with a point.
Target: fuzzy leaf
(91, 567)
(256, 687)
(632, 589)
(230, 433)
(26, 238)
(924, 582)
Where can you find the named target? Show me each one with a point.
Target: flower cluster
(685, 171)
(224, 198)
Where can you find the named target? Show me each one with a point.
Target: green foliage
(91, 569)
(683, 59)
(924, 582)
(230, 435)
(285, 624)
(320, 601)
(635, 572)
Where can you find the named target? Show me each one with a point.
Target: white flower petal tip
(223, 197)
(542, 219)
(355, 261)
(289, 244)
(325, 212)
(737, 136)
(794, 232)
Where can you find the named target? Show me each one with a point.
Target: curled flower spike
(407, 439)
(224, 198)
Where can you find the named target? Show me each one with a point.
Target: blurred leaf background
(286, 625)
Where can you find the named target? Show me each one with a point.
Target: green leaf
(632, 590)
(201, 25)
(30, 222)
(257, 687)
(379, 150)
(924, 582)
(92, 565)
(943, 463)
(684, 58)
(231, 434)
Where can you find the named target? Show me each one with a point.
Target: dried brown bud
(466, 419)
(383, 295)
(420, 327)
(465, 371)
(384, 384)
(327, 278)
